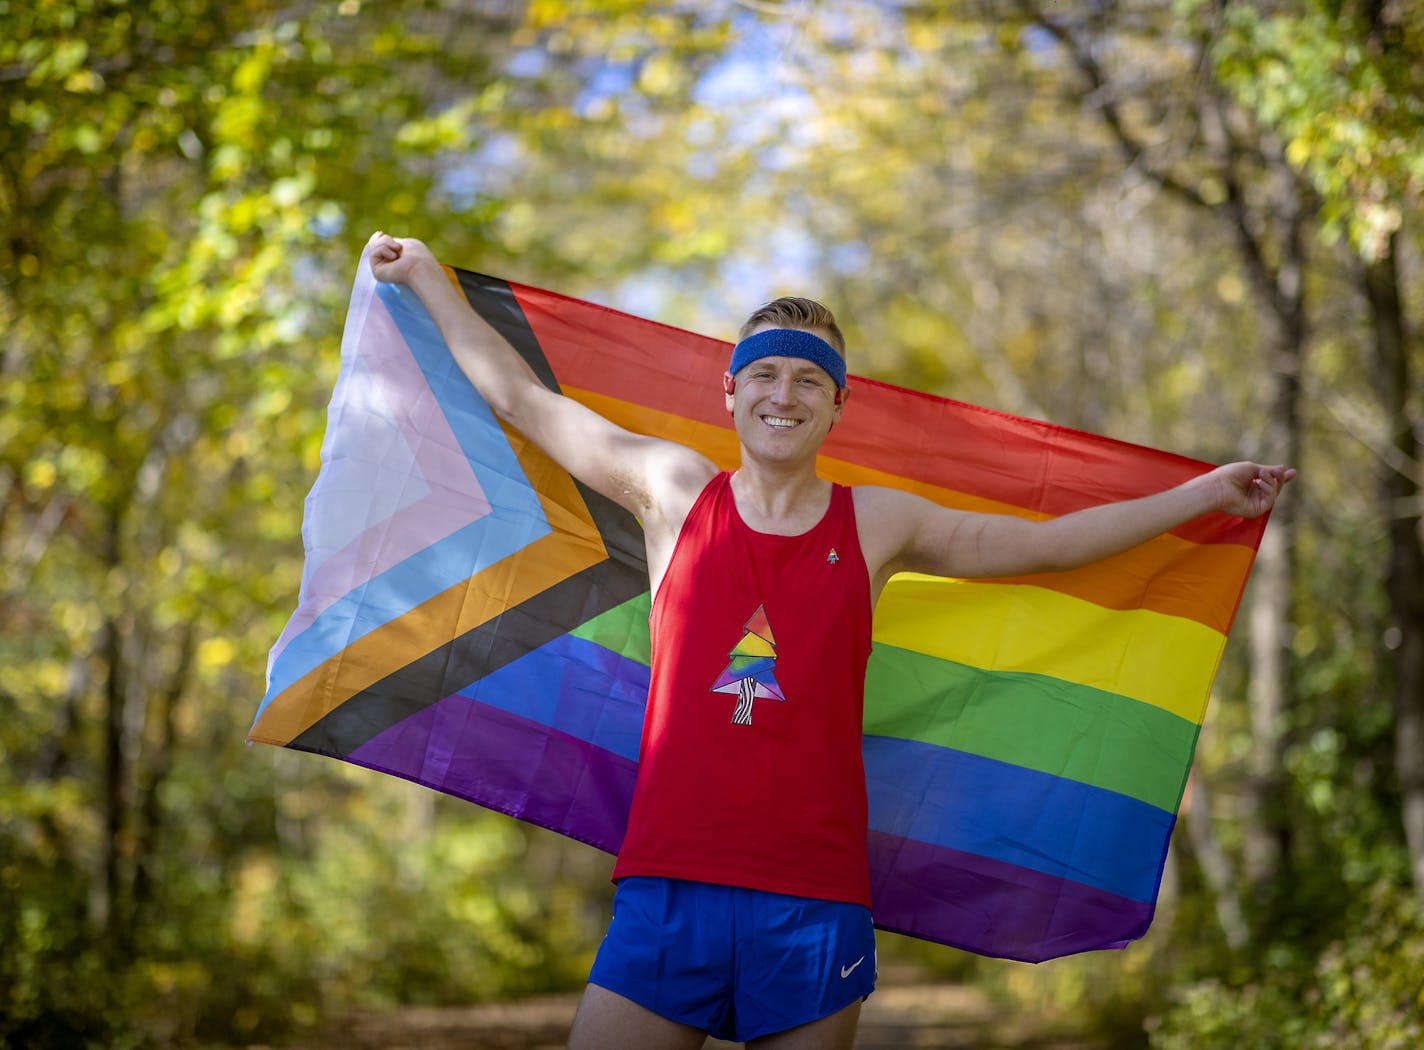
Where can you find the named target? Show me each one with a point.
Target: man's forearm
(1099, 532)
(495, 368)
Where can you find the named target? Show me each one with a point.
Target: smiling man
(743, 900)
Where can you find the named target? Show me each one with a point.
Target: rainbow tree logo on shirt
(751, 672)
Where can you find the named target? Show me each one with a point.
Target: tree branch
(1101, 96)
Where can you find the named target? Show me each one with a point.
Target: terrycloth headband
(789, 342)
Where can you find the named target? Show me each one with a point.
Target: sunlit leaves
(1348, 97)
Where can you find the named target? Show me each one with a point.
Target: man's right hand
(395, 260)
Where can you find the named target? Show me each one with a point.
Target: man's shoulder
(891, 512)
(684, 473)
(878, 499)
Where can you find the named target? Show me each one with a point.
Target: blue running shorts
(734, 962)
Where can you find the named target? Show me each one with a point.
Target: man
(742, 906)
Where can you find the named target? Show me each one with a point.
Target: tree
(173, 179)
(1342, 85)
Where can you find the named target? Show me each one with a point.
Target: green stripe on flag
(1032, 720)
(623, 629)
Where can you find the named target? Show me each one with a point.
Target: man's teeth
(779, 421)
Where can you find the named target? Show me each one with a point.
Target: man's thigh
(836, 1032)
(608, 1021)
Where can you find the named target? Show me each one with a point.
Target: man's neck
(783, 501)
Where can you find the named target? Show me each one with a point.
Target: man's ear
(842, 393)
(729, 388)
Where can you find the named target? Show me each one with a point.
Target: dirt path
(897, 1017)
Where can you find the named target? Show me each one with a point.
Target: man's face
(783, 407)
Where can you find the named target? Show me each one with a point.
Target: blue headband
(789, 342)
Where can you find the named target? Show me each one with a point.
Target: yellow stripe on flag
(1166, 661)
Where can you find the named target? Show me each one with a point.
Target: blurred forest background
(1193, 224)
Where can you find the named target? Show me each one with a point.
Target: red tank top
(750, 770)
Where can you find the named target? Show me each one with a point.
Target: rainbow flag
(473, 619)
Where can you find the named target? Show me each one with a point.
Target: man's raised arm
(638, 472)
(941, 541)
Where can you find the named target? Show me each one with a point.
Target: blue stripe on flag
(576, 687)
(1019, 816)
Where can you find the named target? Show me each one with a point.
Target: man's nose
(784, 392)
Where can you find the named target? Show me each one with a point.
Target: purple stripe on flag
(510, 764)
(993, 908)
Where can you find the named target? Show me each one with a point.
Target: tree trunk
(1271, 243)
(1404, 640)
(1270, 240)
(112, 906)
(1271, 686)
(1214, 863)
(149, 833)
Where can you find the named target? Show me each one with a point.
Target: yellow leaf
(40, 474)
(214, 653)
(84, 81)
(659, 75)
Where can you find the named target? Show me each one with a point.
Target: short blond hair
(792, 311)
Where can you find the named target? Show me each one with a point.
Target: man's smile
(780, 422)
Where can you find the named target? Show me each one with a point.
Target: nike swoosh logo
(846, 971)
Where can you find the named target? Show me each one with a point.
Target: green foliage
(56, 987)
(1365, 989)
(1343, 83)
(173, 178)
